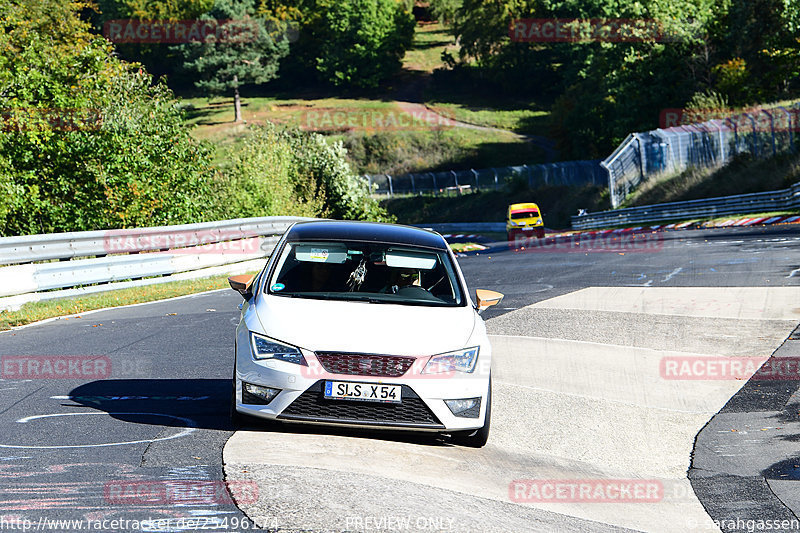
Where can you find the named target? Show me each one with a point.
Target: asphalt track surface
(143, 438)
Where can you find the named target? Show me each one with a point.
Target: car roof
(523, 206)
(342, 230)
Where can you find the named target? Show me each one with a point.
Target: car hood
(363, 327)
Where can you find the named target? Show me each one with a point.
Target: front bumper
(301, 398)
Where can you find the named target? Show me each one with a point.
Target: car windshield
(370, 272)
(524, 214)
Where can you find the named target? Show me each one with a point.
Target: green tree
(358, 42)
(251, 56)
(445, 10)
(89, 142)
(160, 59)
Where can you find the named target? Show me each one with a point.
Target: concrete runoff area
(580, 394)
(746, 456)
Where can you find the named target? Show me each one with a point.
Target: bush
(294, 173)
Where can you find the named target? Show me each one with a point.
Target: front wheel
(477, 438)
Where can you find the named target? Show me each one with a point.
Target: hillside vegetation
(93, 142)
(101, 134)
(742, 175)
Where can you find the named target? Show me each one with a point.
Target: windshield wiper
(370, 299)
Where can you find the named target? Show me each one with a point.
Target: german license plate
(370, 392)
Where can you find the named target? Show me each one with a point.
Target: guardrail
(784, 199)
(93, 261)
(465, 227)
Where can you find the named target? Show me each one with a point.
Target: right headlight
(265, 348)
(459, 361)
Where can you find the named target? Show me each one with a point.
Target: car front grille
(312, 406)
(354, 364)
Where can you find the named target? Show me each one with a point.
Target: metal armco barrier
(31, 248)
(727, 205)
(104, 257)
(465, 227)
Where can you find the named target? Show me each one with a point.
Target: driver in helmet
(403, 277)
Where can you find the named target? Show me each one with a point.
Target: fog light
(465, 408)
(256, 394)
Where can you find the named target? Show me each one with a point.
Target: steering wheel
(414, 291)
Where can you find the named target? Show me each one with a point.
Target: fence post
(455, 177)
(495, 178)
(433, 175)
(475, 173)
(796, 123)
(413, 189)
(791, 128)
(735, 135)
(391, 189)
(755, 136)
(641, 159)
(530, 176)
(771, 128)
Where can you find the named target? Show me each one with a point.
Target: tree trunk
(237, 102)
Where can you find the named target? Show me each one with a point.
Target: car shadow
(205, 404)
(162, 402)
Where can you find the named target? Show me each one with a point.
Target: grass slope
(743, 175)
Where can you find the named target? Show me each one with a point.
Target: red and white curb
(569, 236)
(749, 221)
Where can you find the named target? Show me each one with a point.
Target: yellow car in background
(526, 219)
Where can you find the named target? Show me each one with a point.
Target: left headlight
(266, 348)
(459, 361)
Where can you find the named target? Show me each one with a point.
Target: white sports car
(367, 325)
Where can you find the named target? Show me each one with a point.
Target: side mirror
(487, 298)
(242, 284)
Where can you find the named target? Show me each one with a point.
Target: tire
(477, 437)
